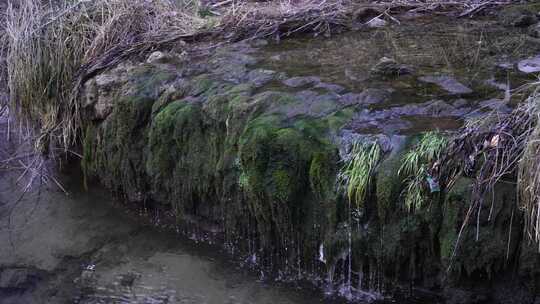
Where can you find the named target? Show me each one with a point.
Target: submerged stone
(376, 23)
(296, 82)
(518, 16)
(260, 77)
(448, 83)
(530, 65)
(17, 278)
(330, 87)
(534, 30)
(367, 97)
(165, 58)
(390, 68)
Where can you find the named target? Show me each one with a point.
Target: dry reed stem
(495, 147)
(52, 50)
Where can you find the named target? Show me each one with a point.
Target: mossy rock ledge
(220, 143)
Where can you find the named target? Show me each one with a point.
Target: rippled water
(468, 49)
(81, 249)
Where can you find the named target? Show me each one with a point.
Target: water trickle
(321, 253)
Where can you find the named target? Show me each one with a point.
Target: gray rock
(366, 97)
(128, 279)
(498, 85)
(16, 278)
(297, 82)
(430, 107)
(164, 58)
(98, 94)
(233, 66)
(502, 70)
(260, 77)
(330, 87)
(389, 67)
(312, 104)
(376, 23)
(87, 279)
(530, 65)
(438, 108)
(495, 104)
(394, 119)
(459, 103)
(259, 42)
(447, 83)
(276, 58)
(534, 30)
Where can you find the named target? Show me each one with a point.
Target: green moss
(171, 93)
(146, 80)
(87, 162)
(214, 151)
(277, 160)
(388, 185)
(322, 175)
(311, 127)
(275, 99)
(337, 120)
(161, 139)
(482, 250)
(283, 185)
(114, 151)
(240, 89)
(183, 155)
(203, 85)
(449, 236)
(453, 206)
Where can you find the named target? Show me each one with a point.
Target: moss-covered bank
(211, 143)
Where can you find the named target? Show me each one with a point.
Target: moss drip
(265, 170)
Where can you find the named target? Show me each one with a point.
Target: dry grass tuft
(491, 148)
(529, 176)
(500, 146)
(283, 18)
(53, 48)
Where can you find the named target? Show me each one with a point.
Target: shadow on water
(82, 248)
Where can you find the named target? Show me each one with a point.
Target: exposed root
(496, 147)
(247, 19)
